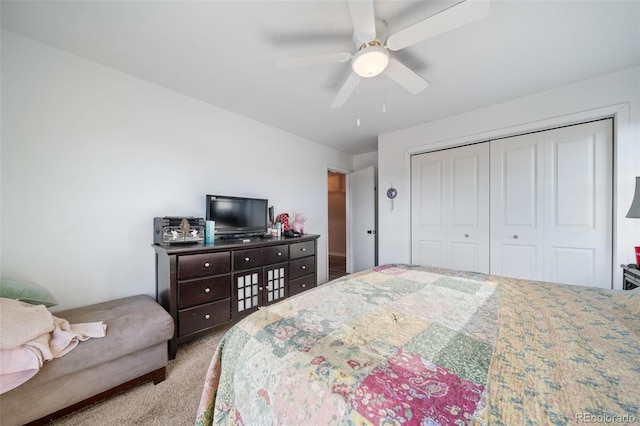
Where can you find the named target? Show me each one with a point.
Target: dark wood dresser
(204, 286)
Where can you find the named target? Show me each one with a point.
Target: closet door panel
(468, 225)
(570, 265)
(516, 207)
(572, 182)
(428, 192)
(518, 261)
(578, 222)
(430, 186)
(519, 185)
(429, 253)
(465, 257)
(465, 191)
(450, 209)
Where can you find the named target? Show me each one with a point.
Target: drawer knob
(304, 266)
(303, 249)
(259, 288)
(304, 285)
(279, 254)
(206, 265)
(207, 316)
(207, 290)
(246, 259)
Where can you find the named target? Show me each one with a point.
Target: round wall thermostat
(391, 193)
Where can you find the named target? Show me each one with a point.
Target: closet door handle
(515, 237)
(466, 235)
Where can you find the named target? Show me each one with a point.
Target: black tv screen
(237, 215)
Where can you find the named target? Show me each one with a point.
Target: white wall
(362, 161)
(616, 94)
(90, 155)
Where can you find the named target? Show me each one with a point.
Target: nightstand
(630, 277)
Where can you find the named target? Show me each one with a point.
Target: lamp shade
(634, 210)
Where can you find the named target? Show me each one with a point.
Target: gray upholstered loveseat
(134, 350)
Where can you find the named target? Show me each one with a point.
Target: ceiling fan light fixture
(370, 61)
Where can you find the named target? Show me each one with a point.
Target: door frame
(346, 173)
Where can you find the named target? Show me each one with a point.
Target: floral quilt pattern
(404, 344)
(397, 344)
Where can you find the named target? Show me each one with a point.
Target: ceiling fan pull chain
(384, 94)
(358, 105)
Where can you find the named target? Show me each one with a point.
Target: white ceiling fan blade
(447, 20)
(363, 18)
(309, 61)
(346, 90)
(405, 77)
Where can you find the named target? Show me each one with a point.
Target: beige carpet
(173, 402)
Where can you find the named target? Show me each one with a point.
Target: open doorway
(337, 209)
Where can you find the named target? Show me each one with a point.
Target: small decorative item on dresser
(178, 230)
(209, 231)
(630, 277)
(298, 223)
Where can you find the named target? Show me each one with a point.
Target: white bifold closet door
(536, 206)
(450, 208)
(551, 205)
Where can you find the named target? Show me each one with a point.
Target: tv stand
(232, 236)
(205, 286)
(240, 236)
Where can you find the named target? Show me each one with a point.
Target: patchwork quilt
(403, 344)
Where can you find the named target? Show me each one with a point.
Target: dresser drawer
(201, 265)
(300, 267)
(302, 284)
(302, 249)
(203, 317)
(197, 292)
(251, 258)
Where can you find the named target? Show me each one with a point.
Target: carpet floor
(173, 402)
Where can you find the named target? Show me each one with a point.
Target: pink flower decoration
(353, 364)
(318, 360)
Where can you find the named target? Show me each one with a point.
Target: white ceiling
(225, 52)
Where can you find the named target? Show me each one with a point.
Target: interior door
(551, 205)
(362, 223)
(450, 208)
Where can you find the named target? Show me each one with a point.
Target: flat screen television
(237, 215)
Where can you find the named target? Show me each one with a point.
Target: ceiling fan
(374, 44)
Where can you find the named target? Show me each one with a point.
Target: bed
(404, 344)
